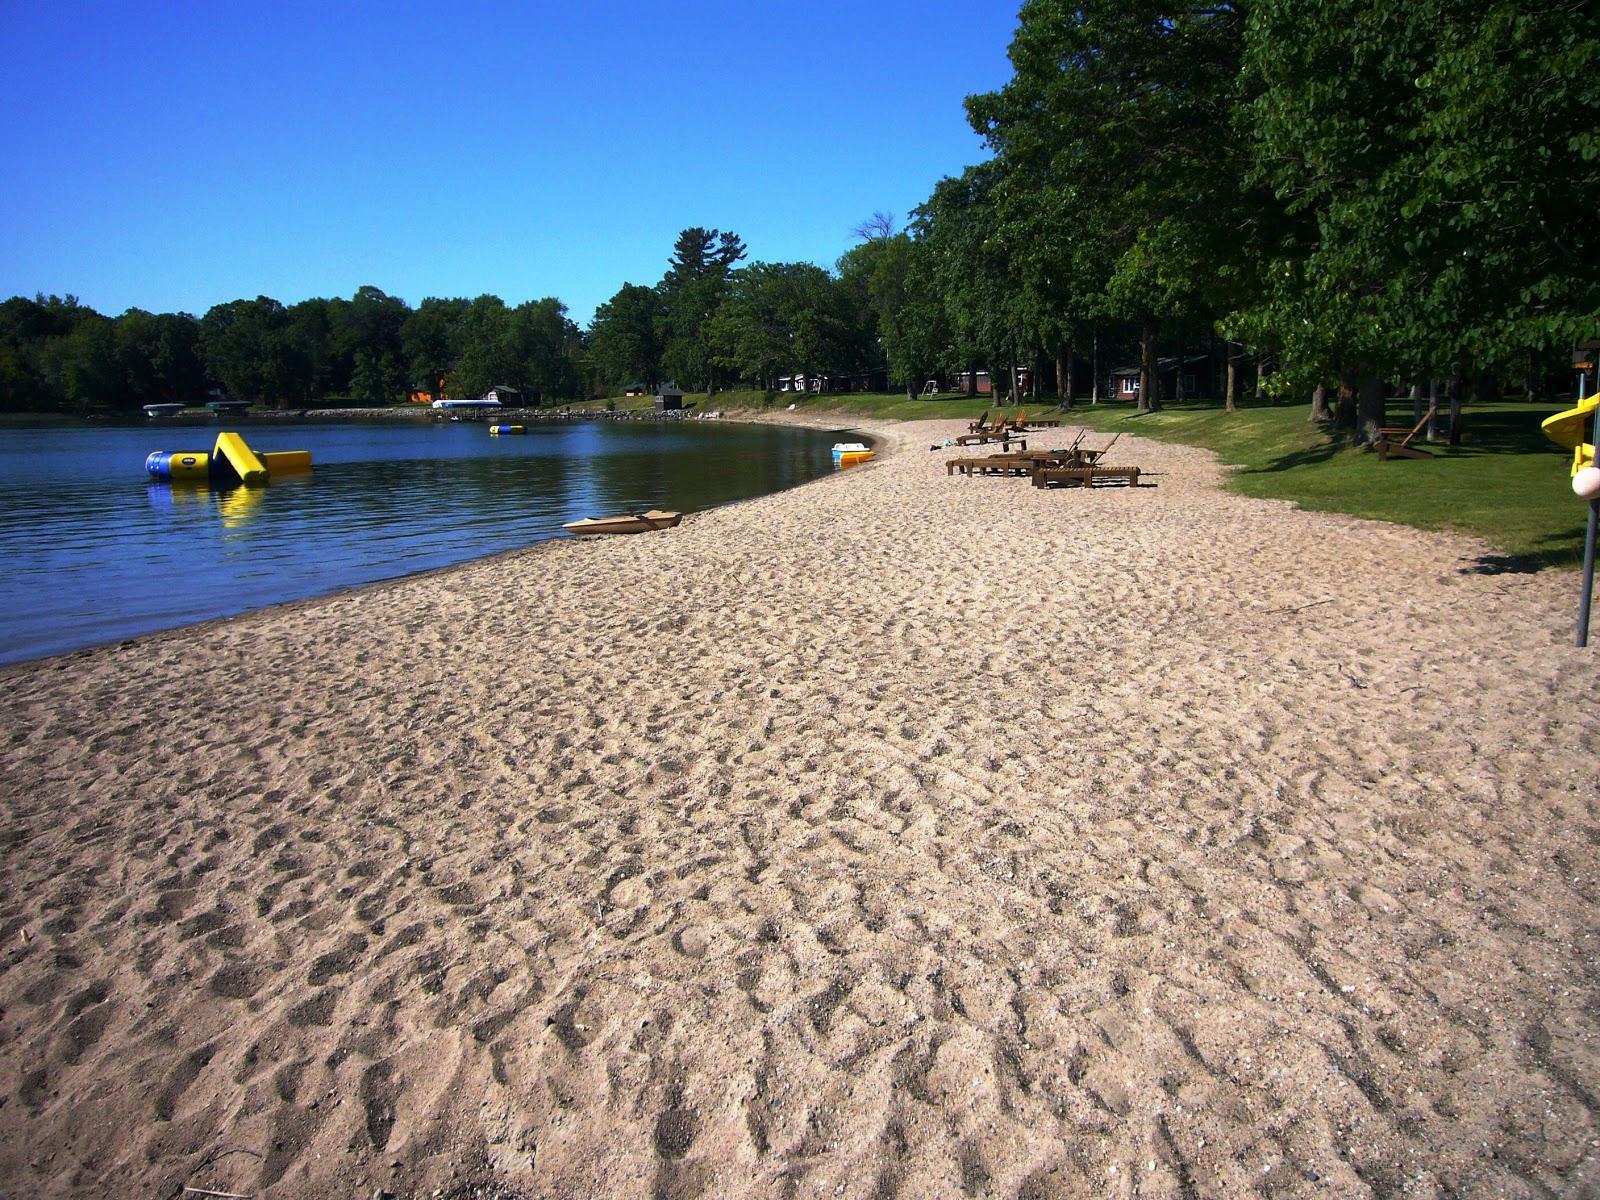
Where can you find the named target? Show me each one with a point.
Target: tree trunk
(1458, 384)
(972, 381)
(1179, 392)
(1016, 384)
(1261, 378)
(1094, 365)
(1486, 387)
(1530, 378)
(1432, 434)
(1344, 408)
(1231, 388)
(1149, 383)
(1319, 404)
(1211, 362)
(1417, 408)
(1370, 410)
(1064, 376)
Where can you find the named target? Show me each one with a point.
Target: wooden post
(1586, 596)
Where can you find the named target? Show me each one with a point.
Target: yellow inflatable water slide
(231, 461)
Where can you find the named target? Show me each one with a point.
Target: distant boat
(626, 523)
(484, 403)
(163, 410)
(227, 406)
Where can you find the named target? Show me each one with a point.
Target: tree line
(59, 355)
(1346, 194)
(1331, 197)
(1354, 192)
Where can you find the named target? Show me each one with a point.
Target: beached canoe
(626, 523)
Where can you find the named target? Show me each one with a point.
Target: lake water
(91, 551)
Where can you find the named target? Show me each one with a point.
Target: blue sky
(172, 156)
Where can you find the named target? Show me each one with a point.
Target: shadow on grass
(1305, 457)
(1566, 551)
(1494, 430)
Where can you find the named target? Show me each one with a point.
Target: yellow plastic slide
(283, 462)
(1572, 429)
(231, 449)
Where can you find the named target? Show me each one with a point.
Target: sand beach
(900, 835)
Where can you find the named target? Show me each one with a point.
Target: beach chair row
(1075, 466)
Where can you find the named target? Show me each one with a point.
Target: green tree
(543, 350)
(158, 358)
(486, 354)
(247, 350)
(430, 340)
(691, 291)
(1440, 157)
(624, 337)
(910, 314)
(781, 317)
(1117, 159)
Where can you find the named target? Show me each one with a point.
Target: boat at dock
(625, 523)
(163, 410)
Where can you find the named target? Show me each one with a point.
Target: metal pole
(1589, 535)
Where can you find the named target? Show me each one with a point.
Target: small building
(982, 384)
(1125, 380)
(508, 397)
(635, 389)
(669, 398)
(426, 392)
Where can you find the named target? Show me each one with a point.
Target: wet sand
(897, 836)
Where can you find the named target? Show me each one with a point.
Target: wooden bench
(1085, 476)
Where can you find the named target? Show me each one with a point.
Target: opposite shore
(896, 835)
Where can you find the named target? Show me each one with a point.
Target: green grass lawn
(1504, 483)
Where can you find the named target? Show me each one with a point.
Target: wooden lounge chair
(1387, 445)
(1004, 436)
(1085, 476)
(981, 425)
(993, 464)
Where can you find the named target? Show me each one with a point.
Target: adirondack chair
(1386, 445)
(981, 425)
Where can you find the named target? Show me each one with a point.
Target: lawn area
(1505, 482)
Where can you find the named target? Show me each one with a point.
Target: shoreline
(900, 837)
(210, 623)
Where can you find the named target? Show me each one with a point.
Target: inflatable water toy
(231, 461)
(442, 404)
(626, 523)
(180, 467)
(1572, 430)
(497, 430)
(849, 454)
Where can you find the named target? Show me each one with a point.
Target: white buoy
(1586, 483)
